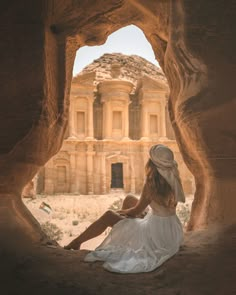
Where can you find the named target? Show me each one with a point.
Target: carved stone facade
(113, 122)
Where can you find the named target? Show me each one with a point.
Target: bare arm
(141, 205)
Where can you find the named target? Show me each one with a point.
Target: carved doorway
(117, 175)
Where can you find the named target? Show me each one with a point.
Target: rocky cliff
(123, 67)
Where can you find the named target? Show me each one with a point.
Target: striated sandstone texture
(194, 42)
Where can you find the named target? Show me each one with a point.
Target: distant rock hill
(123, 67)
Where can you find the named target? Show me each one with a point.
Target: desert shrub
(75, 222)
(183, 213)
(52, 231)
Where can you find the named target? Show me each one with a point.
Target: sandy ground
(72, 214)
(205, 264)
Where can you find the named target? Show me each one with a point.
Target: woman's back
(163, 210)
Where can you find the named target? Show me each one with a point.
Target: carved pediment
(149, 83)
(85, 79)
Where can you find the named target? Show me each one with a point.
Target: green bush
(52, 231)
(183, 213)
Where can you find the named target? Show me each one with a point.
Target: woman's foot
(72, 246)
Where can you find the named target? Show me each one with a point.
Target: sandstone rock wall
(194, 42)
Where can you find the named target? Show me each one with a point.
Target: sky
(128, 40)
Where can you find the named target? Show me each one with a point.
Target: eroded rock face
(200, 67)
(120, 66)
(194, 42)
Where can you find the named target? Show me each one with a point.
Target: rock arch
(196, 52)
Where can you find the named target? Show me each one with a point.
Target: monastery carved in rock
(118, 109)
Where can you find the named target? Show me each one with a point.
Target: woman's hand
(122, 212)
(127, 213)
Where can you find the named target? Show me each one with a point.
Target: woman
(137, 244)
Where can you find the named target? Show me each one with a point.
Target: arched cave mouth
(65, 196)
(194, 43)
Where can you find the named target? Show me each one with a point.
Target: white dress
(140, 245)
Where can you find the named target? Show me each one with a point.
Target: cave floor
(205, 264)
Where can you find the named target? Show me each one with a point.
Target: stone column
(74, 187)
(144, 120)
(126, 121)
(107, 120)
(90, 128)
(90, 153)
(103, 175)
(132, 184)
(163, 119)
(72, 131)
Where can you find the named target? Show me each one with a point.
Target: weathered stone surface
(117, 112)
(124, 67)
(201, 84)
(194, 41)
(200, 67)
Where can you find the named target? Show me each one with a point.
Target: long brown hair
(157, 186)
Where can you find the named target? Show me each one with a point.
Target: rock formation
(126, 67)
(194, 42)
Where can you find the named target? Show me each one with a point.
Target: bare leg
(109, 218)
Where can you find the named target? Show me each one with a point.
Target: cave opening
(194, 44)
(101, 136)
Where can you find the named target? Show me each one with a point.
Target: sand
(205, 264)
(72, 214)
